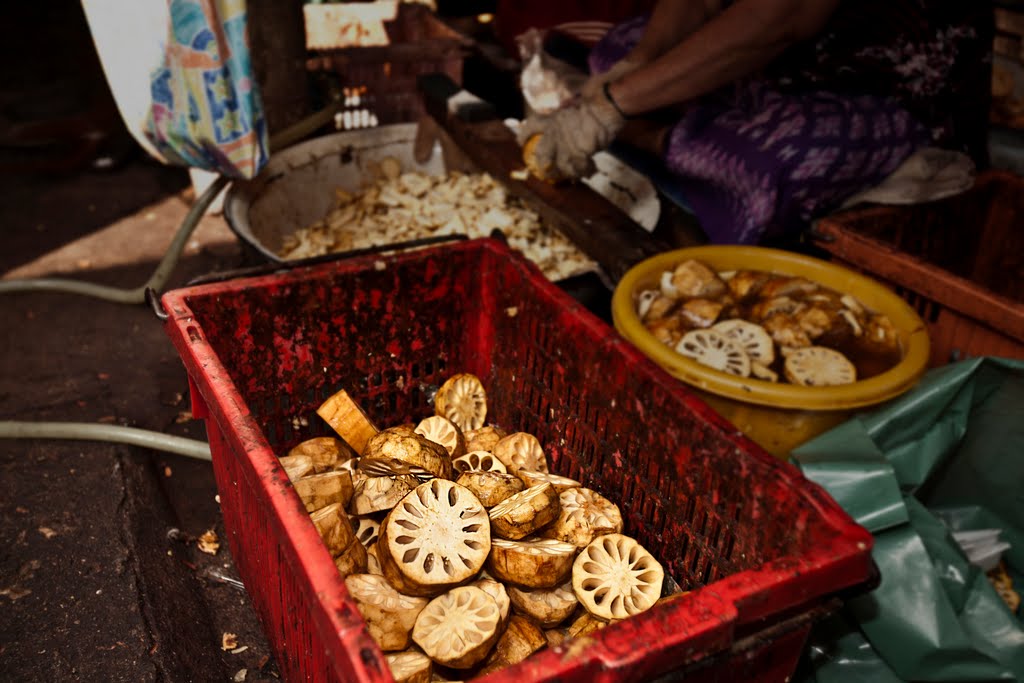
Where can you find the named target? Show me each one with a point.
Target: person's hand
(571, 135)
(594, 85)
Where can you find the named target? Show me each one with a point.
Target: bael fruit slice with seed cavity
(478, 461)
(491, 488)
(410, 667)
(585, 515)
(712, 349)
(547, 606)
(389, 615)
(531, 478)
(615, 578)
(524, 513)
(532, 563)
(483, 439)
(365, 529)
(462, 400)
(442, 431)
(325, 451)
(436, 538)
(819, 366)
(459, 628)
(753, 339)
(520, 451)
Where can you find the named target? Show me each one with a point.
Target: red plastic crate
(763, 550)
(958, 261)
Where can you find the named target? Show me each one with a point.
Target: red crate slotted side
(958, 261)
(746, 533)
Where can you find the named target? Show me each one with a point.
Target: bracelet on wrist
(611, 100)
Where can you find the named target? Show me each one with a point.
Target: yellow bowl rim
(887, 385)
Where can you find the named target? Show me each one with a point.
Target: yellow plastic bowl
(779, 416)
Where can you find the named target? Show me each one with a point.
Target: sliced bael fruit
(413, 449)
(297, 466)
(520, 639)
(615, 578)
(752, 338)
(325, 452)
(585, 624)
(547, 606)
(491, 487)
(819, 366)
(410, 667)
(459, 628)
(389, 615)
(519, 451)
(483, 439)
(436, 538)
(531, 478)
(644, 300)
(694, 279)
(763, 372)
(443, 431)
(524, 513)
(497, 591)
(715, 351)
(347, 419)
(478, 461)
(532, 563)
(462, 400)
(366, 530)
(392, 467)
(319, 490)
(334, 528)
(374, 494)
(585, 514)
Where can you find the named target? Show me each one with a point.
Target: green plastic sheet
(948, 455)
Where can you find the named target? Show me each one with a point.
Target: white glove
(571, 135)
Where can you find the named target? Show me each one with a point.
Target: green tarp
(947, 455)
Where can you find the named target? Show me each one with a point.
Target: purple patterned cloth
(758, 160)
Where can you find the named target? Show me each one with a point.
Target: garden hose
(131, 435)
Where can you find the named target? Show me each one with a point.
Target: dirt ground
(100, 574)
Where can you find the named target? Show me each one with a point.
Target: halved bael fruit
(497, 591)
(585, 514)
(524, 513)
(491, 487)
(458, 628)
(389, 615)
(413, 449)
(325, 452)
(478, 461)
(547, 606)
(483, 439)
(532, 563)
(347, 419)
(442, 431)
(521, 451)
(319, 490)
(436, 538)
(712, 349)
(819, 366)
(462, 400)
(752, 338)
(374, 494)
(410, 667)
(531, 478)
(615, 578)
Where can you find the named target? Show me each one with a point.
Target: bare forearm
(671, 21)
(736, 43)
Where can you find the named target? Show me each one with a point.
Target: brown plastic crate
(379, 81)
(958, 261)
